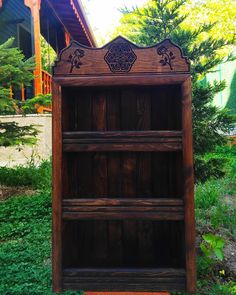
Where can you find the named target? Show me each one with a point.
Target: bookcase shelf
(123, 209)
(136, 141)
(135, 279)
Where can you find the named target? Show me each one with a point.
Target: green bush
(11, 134)
(205, 169)
(215, 165)
(7, 106)
(28, 106)
(38, 177)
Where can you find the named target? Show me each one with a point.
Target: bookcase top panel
(121, 57)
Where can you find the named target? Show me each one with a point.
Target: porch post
(67, 38)
(34, 6)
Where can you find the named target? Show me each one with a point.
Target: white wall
(11, 156)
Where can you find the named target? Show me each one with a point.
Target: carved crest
(167, 56)
(74, 59)
(120, 57)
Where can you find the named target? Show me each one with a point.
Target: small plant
(212, 247)
(11, 134)
(30, 106)
(7, 106)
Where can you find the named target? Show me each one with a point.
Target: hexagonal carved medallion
(120, 57)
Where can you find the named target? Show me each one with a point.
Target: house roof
(72, 15)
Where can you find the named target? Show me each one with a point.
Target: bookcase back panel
(122, 175)
(121, 108)
(119, 244)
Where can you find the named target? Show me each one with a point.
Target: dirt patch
(230, 200)
(9, 191)
(230, 257)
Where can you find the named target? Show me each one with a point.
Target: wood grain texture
(56, 187)
(118, 80)
(122, 141)
(134, 279)
(188, 187)
(153, 209)
(93, 60)
(123, 212)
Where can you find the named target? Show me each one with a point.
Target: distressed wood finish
(188, 186)
(56, 187)
(122, 141)
(123, 210)
(153, 209)
(99, 61)
(134, 280)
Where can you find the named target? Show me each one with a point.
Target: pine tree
(161, 19)
(15, 70)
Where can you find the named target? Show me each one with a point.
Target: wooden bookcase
(123, 210)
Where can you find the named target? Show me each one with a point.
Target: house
(58, 21)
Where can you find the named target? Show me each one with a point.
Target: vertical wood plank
(83, 162)
(129, 122)
(114, 179)
(188, 186)
(100, 175)
(143, 159)
(56, 188)
(144, 229)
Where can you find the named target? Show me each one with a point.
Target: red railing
(46, 88)
(46, 82)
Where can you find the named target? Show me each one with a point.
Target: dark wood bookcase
(123, 210)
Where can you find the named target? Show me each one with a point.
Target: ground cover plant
(25, 230)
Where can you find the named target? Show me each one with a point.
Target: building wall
(11, 156)
(227, 72)
(12, 11)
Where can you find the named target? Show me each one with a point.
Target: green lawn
(25, 231)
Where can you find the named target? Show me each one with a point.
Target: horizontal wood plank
(152, 209)
(165, 279)
(118, 80)
(122, 141)
(123, 202)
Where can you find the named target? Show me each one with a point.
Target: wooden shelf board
(142, 279)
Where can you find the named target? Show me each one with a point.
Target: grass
(25, 230)
(37, 177)
(211, 208)
(25, 245)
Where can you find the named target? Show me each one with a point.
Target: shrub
(205, 169)
(30, 105)
(7, 106)
(37, 177)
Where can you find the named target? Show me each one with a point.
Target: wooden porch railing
(46, 82)
(46, 88)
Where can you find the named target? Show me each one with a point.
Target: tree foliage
(160, 19)
(48, 55)
(15, 70)
(11, 134)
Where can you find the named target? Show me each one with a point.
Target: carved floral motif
(120, 57)
(167, 56)
(74, 59)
